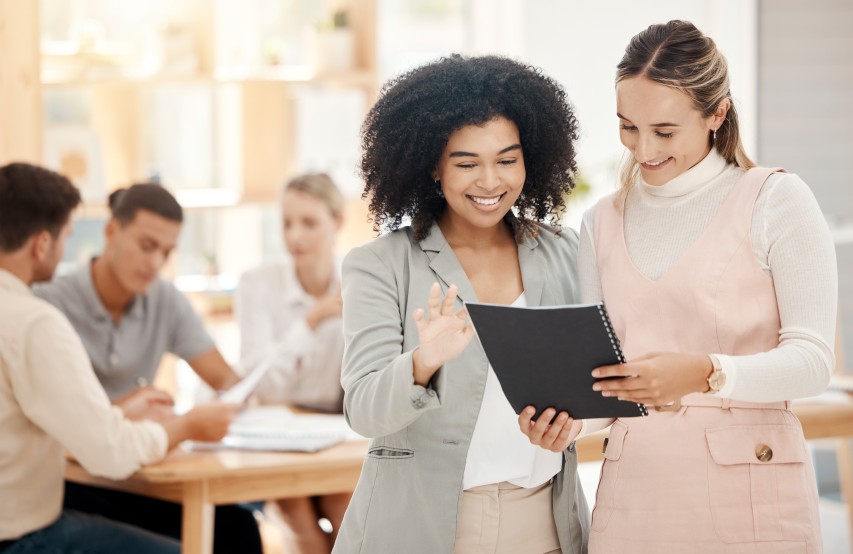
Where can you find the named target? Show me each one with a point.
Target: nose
(490, 180)
(646, 148)
(157, 259)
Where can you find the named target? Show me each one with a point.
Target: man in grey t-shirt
(128, 318)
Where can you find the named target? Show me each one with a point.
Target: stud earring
(714, 135)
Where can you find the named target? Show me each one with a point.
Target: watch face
(717, 380)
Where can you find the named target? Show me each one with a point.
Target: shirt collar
(294, 294)
(711, 167)
(85, 283)
(10, 282)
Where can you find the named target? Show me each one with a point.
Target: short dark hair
(33, 199)
(408, 128)
(152, 197)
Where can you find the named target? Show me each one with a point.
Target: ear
(41, 245)
(716, 120)
(111, 229)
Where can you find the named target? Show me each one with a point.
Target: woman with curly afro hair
(477, 153)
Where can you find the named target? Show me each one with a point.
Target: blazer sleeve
(380, 395)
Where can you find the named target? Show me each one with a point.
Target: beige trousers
(502, 518)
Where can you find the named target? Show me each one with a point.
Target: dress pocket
(757, 483)
(605, 495)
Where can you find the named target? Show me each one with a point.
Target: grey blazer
(408, 494)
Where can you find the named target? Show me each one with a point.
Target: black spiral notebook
(544, 356)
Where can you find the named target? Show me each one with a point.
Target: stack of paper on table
(276, 428)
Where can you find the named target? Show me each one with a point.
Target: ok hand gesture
(443, 337)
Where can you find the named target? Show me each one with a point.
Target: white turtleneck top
(791, 242)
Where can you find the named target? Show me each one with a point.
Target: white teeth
(485, 201)
(653, 164)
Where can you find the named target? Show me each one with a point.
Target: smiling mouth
(655, 165)
(486, 201)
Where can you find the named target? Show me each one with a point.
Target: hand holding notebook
(544, 357)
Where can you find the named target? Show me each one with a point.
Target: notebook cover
(544, 356)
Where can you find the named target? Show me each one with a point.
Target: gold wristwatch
(717, 379)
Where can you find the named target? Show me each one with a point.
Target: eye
(629, 128)
(664, 135)
(508, 161)
(466, 165)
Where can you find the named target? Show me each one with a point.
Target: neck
(109, 290)
(316, 278)
(15, 264)
(461, 234)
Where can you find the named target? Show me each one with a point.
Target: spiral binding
(617, 347)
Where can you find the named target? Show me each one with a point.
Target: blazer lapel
(445, 264)
(533, 270)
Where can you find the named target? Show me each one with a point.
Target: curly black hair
(406, 131)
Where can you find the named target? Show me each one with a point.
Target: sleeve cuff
(423, 397)
(729, 367)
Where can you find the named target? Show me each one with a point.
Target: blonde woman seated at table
(290, 317)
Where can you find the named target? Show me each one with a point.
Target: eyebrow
(462, 154)
(620, 116)
(156, 243)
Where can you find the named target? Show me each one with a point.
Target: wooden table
(202, 480)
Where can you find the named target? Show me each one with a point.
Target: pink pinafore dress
(715, 476)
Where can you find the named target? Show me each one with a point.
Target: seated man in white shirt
(127, 318)
(50, 399)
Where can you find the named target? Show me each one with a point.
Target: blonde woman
(721, 282)
(290, 318)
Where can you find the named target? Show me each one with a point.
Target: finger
(161, 396)
(468, 332)
(549, 439)
(648, 400)
(462, 313)
(233, 407)
(433, 302)
(449, 300)
(419, 319)
(620, 384)
(569, 432)
(616, 370)
(524, 419)
(541, 425)
(565, 435)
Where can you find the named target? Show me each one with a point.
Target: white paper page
(241, 391)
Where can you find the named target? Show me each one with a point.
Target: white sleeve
(590, 293)
(588, 266)
(790, 228)
(259, 343)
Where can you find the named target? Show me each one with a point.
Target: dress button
(113, 359)
(764, 453)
